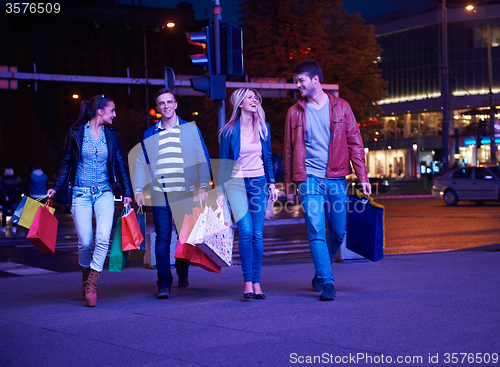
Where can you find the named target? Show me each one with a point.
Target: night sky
(203, 8)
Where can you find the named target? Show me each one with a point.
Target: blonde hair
(259, 126)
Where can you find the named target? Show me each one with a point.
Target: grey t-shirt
(317, 139)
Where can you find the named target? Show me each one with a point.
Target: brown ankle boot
(91, 289)
(85, 278)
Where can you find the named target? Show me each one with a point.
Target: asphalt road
(416, 225)
(411, 225)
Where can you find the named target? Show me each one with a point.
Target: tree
(281, 34)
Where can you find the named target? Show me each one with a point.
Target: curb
(419, 196)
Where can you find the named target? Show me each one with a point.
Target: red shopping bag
(184, 251)
(43, 230)
(131, 232)
(203, 261)
(192, 254)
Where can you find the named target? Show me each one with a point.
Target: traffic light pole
(220, 102)
(444, 86)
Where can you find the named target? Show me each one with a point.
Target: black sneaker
(183, 282)
(328, 293)
(163, 292)
(316, 284)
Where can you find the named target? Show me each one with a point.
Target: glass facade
(410, 132)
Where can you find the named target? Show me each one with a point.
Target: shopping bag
(141, 219)
(117, 257)
(202, 260)
(365, 227)
(198, 218)
(19, 210)
(218, 246)
(131, 232)
(191, 254)
(207, 224)
(184, 251)
(29, 211)
(43, 231)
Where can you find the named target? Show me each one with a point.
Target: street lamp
(490, 86)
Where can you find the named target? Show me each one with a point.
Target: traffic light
(231, 39)
(204, 39)
(214, 84)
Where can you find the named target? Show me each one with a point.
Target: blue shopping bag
(365, 227)
(19, 210)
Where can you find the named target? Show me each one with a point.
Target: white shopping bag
(217, 243)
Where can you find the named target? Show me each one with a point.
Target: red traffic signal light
(204, 39)
(214, 84)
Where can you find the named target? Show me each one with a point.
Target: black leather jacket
(117, 165)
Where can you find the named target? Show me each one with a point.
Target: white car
(476, 183)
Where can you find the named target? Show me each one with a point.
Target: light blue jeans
(85, 202)
(324, 198)
(248, 199)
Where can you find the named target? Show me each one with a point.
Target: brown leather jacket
(346, 145)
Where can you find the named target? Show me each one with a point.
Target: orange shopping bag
(131, 231)
(43, 230)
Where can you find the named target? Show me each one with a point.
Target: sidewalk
(416, 307)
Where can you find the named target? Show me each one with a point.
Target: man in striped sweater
(174, 162)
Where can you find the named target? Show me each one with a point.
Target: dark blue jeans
(165, 207)
(324, 198)
(248, 199)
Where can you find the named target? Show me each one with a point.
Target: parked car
(378, 185)
(477, 183)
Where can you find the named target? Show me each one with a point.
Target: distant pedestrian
(11, 192)
(92, 162)
(37, 183)
(246, 177)
(322, 140)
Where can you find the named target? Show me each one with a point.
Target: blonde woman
(246, 177)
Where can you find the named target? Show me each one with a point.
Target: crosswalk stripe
(20, 269)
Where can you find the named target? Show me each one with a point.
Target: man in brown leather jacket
(322, 139)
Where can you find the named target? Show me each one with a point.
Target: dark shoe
(316, 284)
(248, 295)
(183, 282)
(328, 293)
(259, 296)
(163, 292)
